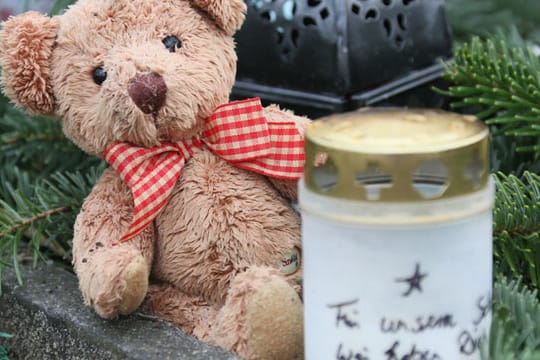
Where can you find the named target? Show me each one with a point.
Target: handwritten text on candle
(469, 339)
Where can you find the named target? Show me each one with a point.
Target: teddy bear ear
(26, 45)
(228, 14)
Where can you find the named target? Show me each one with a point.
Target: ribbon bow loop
(238, 132)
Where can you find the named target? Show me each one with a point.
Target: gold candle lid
(389, 154)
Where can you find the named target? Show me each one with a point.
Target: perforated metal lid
(397, 155)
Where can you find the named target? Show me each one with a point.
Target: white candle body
(397, 290)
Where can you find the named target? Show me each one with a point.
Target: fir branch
(517, 227)
(42, 215)
(37, 144)
(3, 350)
(499, 80)
(31, 220)
(515, 330)
(3, 353)
(41, 137)
(482, 17)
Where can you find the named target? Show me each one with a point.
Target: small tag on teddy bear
(290, 262)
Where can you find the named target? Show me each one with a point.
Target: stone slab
(49, 321)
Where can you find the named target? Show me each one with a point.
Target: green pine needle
(37, 144)
(3, 350)
(517, 227)
(43, 216)
(44, 178)
(3, 353)
(482, 17)
(515, 329)
(499, 80)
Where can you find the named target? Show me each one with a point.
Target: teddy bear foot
(136, 278)
(131, 289)
(275, 322)
(264, 315)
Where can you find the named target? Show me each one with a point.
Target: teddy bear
(193, 219)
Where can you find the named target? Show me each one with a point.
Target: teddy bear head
(138, 71)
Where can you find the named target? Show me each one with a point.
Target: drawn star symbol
(414, 281)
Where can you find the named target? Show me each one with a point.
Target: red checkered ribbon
(238, 132)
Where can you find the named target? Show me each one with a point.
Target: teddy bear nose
(148, 92)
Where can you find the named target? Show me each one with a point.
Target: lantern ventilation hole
(269, 16)
(387, 2)
(309, 21)
(430, 179)
(372, 14)
(355, 9)
(280, 35)
(401, 22)
(288, 23)
(289, 10)
(324, 13)
(387, 27)
(474, 172)
(399, 41)
(325, 173)
(373, 181)
(407, 2)
(294, 37)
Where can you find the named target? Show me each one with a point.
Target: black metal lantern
(321, 56)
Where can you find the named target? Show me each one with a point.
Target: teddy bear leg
(113, 278)
(191, 314)
(262, 317)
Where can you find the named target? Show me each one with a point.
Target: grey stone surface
(49, 321)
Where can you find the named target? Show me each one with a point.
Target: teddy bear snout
(148, 92)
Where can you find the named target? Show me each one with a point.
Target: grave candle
(397, 236)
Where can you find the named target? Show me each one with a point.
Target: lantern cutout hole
(474, 172)
(374, 181)
(269, 15)
(289, 10)
(324, 13)
(325, 173)
(401, 22)
(309, 21)
(387, 27)
(430, 179)
(372, 14)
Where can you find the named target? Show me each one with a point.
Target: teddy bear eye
(172, 43)
(99, 75)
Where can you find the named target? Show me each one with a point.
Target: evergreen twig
(500, 81)
(515, 330)
(482, 17)
(33, 219)
(517, 227)
(43, 214)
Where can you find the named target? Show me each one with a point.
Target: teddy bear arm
(113, 278)
(287, 188)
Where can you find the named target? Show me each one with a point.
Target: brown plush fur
(210, 261)
(228, 14)
(27, 44)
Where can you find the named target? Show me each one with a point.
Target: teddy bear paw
(274, 322)
(130, 291)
